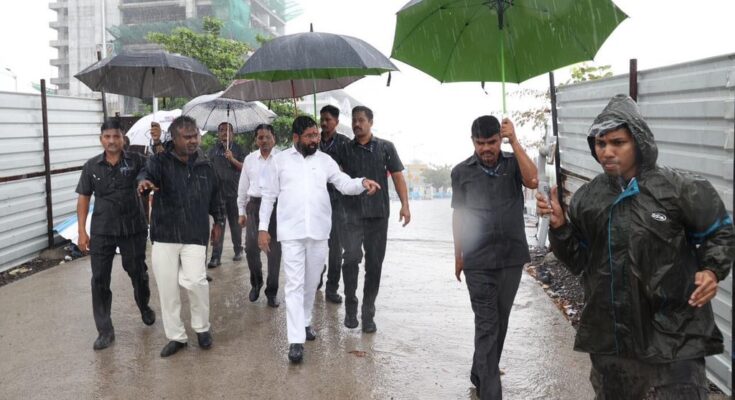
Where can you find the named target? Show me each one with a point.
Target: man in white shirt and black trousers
(298, 179)
(248, 202)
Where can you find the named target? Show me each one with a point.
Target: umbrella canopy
(140, 133)
(251, 90)
(211, 110)
(500, 40)
(314, 55)
(150, 74)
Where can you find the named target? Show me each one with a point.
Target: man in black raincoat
(651, 244)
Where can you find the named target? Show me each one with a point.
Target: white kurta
(300, 185)
(304, 219)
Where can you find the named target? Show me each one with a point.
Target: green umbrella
(500, 40)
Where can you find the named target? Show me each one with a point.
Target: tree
(438, 176)
(224, 57)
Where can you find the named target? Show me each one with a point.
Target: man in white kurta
(298, 179)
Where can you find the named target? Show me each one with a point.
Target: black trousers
(334, 265)
(252, 251)
(491, 292)
(235, 229)
(102, 252)
(372, 235)
(621, 378)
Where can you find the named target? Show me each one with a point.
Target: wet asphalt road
(422, 350)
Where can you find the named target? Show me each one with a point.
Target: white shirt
(249, 185)
(300, 185)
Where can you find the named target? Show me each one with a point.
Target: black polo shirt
(118, 210)
(492, 228)
(228, 175)
(374, 160)
(332, 149)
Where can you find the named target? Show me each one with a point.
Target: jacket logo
(659, 217)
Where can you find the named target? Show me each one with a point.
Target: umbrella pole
(555, 130)
(502, 66)
(293, 97)
(155, 99)
(313, 81)
(227, 140)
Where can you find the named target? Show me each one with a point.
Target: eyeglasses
(311, 136)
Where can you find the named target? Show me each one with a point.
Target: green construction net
(244, 20)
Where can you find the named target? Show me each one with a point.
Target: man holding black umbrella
(187, 191)
(227, 159)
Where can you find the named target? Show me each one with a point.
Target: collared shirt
(300, 185)
(332, 148)
(374, 160)
(118, 210)
(249, 185)
(187, 192)
(227, 173)
(492, 227)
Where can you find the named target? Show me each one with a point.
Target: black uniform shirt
(332, 148)
(228, 175)
(492, 227)
(373, 160)
(118, 210)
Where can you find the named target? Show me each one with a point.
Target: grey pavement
(422, 350)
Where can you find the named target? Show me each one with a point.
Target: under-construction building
(83, 25)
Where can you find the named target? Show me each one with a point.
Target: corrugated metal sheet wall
(73, 138)
(691, 109)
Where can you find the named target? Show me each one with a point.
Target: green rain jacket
(637, 246)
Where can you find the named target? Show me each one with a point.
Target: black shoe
(205, 340)
(172, 347)
(254, 293)
(333, 297)
(296, 352)
(238, 256)
(214, 263)
(351, 321)
(369, 326)
(148, 316)
(273, 302)
(310, 333)
(104, 340)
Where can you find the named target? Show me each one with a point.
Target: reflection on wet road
(422, 350)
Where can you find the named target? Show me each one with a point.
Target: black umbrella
(150, 74)
(315, 55)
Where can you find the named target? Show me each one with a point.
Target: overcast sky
(425, 119)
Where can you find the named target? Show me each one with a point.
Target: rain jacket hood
(620, 112)
(638, 248)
